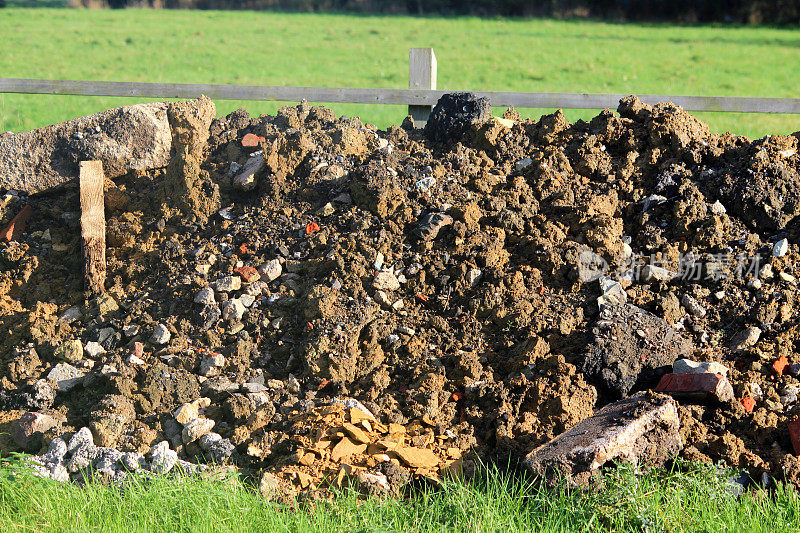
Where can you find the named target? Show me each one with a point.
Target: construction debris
(641, 429)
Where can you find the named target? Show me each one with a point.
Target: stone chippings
(309, 299)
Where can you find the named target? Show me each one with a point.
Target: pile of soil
(470, 292)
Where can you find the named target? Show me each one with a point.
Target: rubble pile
(312, 300)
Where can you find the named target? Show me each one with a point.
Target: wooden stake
(93, 225)
(421, 75)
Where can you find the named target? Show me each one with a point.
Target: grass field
(696, 501)
(372, 51)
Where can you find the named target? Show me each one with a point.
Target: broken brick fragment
(779, 366)
(748, 403)
(16, 226)
(252, 140)
(701, 386)
(312, 228)
(794, 434)
(248, 273)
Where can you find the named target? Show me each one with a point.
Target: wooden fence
(419, 97)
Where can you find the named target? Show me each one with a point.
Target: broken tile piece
(642, 429)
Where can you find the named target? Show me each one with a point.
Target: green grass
(372, 51)
(694, 501)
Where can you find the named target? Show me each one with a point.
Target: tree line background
(730, 11)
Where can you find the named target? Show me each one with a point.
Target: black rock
(631, 350)
(453, 114)
(430, 224)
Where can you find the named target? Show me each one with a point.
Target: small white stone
(717, 208)
(474, 276)
(692, 306)
(134, 360)
(246, 179)
(271, 270)
(161, 335)
(655, 273)
(385, 281)
(196, 429)
(523, 163)
(211, 363)
(687, 366)
(108, 370)
(205, 296)
(65, 376)
(70, 315)
(233, 309)
(93, 349)
(780, 248)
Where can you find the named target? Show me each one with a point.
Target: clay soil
(444, 284)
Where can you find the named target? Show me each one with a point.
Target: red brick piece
(312, 228)
(779, 366)
(14, 229)
(697, 386)
(252, 140)
(794, 434)
(248, 273)
(748, 403)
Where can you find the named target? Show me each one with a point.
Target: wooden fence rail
(420, 97)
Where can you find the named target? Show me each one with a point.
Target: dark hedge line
(735, 11)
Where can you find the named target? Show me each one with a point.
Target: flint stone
(271, 270)
(30, 427)
(452, 115)
(687, 366)
(631, 350)
(130, 138)
(218, 449)
(65, 376)
(745, 339)
(205, 296)
(162, 458)
(196, 429)
(246, 179)
(83, 437)
(642, 429)
(430, 224)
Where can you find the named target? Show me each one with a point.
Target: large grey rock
(631, 350)
(642, 429)
(127, 138)
(65, 376)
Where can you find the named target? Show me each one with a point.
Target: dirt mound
(478, 294)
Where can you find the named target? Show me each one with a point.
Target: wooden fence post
(421, 75)
(93, 225)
